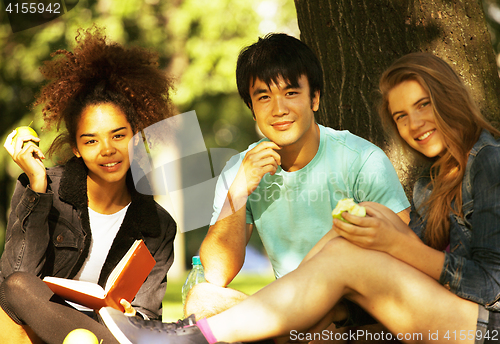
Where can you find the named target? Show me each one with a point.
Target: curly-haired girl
(77, 220)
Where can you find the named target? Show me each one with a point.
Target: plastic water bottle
(195, 276)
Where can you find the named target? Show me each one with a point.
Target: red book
(123, 283)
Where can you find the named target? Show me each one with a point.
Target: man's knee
(205, 300)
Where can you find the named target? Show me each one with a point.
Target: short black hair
(275, 56)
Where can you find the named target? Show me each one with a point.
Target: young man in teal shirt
(287, 184)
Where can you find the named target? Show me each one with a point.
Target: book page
(83, 287)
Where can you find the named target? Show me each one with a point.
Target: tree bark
(356, 40)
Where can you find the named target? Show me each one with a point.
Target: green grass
(172, 304)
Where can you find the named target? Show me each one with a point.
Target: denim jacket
(472, 267)
(48, 234)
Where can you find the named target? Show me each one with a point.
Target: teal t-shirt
(292, 210)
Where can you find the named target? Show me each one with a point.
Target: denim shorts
(483, 316)
(492, 322)
(488, 326)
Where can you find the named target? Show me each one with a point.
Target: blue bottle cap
(196, 260)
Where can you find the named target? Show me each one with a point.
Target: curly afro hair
(101, 72)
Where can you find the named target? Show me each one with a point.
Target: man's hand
(260, 160)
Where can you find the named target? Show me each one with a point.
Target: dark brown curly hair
(96, 72)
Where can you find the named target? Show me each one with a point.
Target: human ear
(315, 101)
(76, 152)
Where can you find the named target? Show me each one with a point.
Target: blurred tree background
(198, 41)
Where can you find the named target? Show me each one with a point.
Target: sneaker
(135, 330)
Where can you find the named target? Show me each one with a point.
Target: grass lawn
(172, 305)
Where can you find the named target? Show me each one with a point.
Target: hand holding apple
(25, 130)
(348, 204)
(26, 133)
(22, 145)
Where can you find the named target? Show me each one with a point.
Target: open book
(123, 283)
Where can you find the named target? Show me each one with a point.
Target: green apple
(348, 204)
(80, 336)
(24, 131)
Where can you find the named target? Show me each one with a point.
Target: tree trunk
(357, 40)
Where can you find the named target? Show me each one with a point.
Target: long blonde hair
(459, 121)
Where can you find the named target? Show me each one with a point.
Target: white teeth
(110, 165)
(426, 135)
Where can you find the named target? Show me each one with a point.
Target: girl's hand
(129, 310)
(380, 230)
(28, 156)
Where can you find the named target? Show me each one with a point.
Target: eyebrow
(418, 101)
(93, 135)
(265, 90)
(260, 91)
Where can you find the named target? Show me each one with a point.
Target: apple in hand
(80, 336)
(25, 131)
(348, 204)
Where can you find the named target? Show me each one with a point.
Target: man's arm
(222, 252)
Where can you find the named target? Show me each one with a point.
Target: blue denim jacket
(472, 267)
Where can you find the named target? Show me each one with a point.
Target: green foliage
(207, 36)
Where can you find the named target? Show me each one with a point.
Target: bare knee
(347, 259)
(339, 247)
(205, 300)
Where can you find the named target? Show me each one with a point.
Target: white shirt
(104, 228)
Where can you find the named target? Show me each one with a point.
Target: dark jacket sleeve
(148, 300)
(27, 235)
